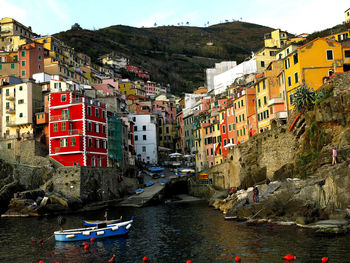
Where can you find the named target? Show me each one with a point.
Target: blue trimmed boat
(96, 222)
(99, 231)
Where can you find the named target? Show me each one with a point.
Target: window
(63, 97)
(262, 63)
(97, 143)
(89, 111)
(347, 53)
(23, 63)
(64, 142)
(55, 127)
(20, 101)
(39, 57)
(265, 100)
(144, 127)
(64, 126)
(295, 58)
(223, 129)
(259, 105)
(97, 128)
(144, 137)
(21, 115)
(90, 142)
(296, 78)
(12, 66)
(72, 141)
(135, 128)
(291, 99)
(287, 63)
(39, 66)
(23, 53)
(104, 145)
(103, 129)
(289, 81)
(89, 126)
(144, 149)
(103, 114)
(23, 73)
(136, 138)
(264, 85)
(329, 54)
(97, 113)
(9, 146)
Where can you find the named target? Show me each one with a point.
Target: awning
(163, 149)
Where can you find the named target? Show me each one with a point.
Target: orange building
(244, 105)
(31, 59)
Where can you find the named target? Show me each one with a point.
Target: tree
(76, 26)
(187, 23)
(304, 98)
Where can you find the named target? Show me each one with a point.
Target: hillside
(176, 55)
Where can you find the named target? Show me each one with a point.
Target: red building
(78, 130)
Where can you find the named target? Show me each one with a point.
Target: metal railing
(59, 117)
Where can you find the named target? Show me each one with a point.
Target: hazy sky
(52, 16)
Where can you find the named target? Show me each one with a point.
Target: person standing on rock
(256, 194)
(334, 153)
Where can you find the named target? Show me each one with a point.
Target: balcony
(275, 101)
(11, 124)
(11, 110)
(10, 96)
(59, 118)
(282, 115)
(75, 132)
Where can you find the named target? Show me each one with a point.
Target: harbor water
(171, 233)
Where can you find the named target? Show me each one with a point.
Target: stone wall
(91, 184)
(23, 151)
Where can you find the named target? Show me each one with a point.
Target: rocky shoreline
(304, 203)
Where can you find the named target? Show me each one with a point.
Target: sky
(53, 16)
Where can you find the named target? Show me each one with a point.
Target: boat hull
(112, 230)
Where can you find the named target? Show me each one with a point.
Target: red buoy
(41, 261)
(92, 240)
(189, 261)
(237, 259)
(111, 259)
(324, 260)
(145, 259)
(289, 257)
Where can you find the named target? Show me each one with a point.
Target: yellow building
(261, 86)
(264, 57)
(20, 102)
(276, 38)
(55, 46)
(347, 16)
(286, 50)
(312, 64)
(200, 153)
(128, 87)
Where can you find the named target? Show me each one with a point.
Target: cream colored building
(20, 102)
(347, 16)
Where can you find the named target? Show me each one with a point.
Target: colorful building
(20, 103)
(312, 64)
(117, 143)
(31, 59)
(276, 38)
(78, 130)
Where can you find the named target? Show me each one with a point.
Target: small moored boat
(100, 231)
(139, 191)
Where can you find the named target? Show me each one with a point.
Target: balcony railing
(11, 123)
(10, 97)
(11, 110)
(281, 115)
(275, 101)
(75, 132)
(59, 117)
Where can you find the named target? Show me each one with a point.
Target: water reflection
(171, 234)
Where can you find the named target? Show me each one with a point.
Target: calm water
(169, 233)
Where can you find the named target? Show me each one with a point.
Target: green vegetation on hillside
(177, 55)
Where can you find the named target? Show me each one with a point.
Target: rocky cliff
(302, 151)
